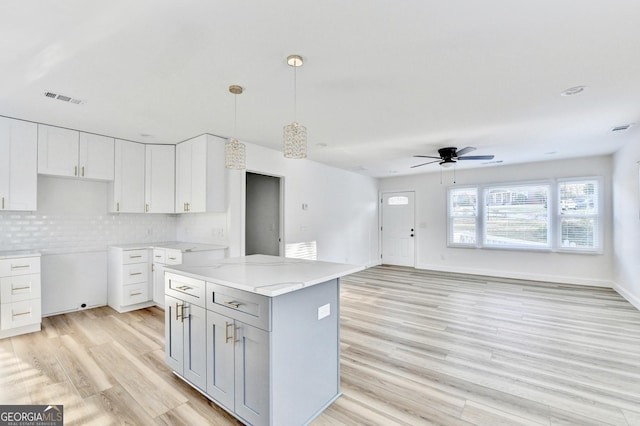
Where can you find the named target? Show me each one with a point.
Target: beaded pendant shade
(234, 150)
(294, 134)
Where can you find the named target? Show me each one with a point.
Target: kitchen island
(259, 335)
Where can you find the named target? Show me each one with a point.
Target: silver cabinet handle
(135, 294)
(22, 313)
(134, 273)
(20, 266)
(235, 305)
(20, 288)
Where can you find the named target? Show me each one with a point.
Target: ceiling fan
(450, 155)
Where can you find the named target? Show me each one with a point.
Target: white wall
(626, 223)
(431, 225)
(341, 218)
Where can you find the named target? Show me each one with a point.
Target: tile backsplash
(72, 217)
(67, 233)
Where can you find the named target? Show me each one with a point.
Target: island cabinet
(185, 328)
(271, 339)
(238, 352)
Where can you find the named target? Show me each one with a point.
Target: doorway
(262, 219)
(398, 228)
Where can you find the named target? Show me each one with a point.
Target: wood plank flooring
(418, 348)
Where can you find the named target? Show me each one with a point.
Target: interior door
(398, 228)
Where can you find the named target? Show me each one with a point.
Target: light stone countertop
(13, 254)
(182, 246)
(267, 275)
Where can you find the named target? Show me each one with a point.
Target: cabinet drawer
(135, 293)
(18, 314)
(159, 256)
(136, 273)
(18, 288)
(253, 309)
(184, 288)
(135, 256)
(173, 257)
(19, 266)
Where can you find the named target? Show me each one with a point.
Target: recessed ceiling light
(573, 91)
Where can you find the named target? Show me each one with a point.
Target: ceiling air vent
(63, 98)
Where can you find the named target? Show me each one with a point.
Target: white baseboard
(631, 298)
(521, 276)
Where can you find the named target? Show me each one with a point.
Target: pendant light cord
(235, 115)
(295, 94)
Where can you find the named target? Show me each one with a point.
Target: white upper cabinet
(18, 164)
(160, 174)
(201, 177)
(96, 157)
(126, 194)
(64, 152)
(57, 151)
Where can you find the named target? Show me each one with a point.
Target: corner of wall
(634, 300)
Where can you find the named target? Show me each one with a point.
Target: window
(579, 215)
(399, 200)
(516, 216)
(463, 210)
(562, 216)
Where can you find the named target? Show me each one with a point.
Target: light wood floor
(418, 348)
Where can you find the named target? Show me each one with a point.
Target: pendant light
(234, 150)
(294, 134)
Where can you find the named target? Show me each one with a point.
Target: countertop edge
(274, 290)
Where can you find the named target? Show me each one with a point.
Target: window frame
(450, 217)
(599, 249)
(554, 216)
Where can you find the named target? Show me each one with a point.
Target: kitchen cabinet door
(57, 151)
(195, 345)
(185, 340)
(160, 178)
(18, 164)
(201, 177)
(96, 157)
(127, 195)
(220, 359)
(174, 334)
(252, 374)
(183, 176)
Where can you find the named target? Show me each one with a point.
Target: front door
(398, 228)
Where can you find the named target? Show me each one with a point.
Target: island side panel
(305, 349)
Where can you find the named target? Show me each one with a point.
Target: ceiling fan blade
(426, 156)
(424, 164)
(477, 157)
(463, 151)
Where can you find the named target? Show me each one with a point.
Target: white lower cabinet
(129, 281)
(20, 296)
